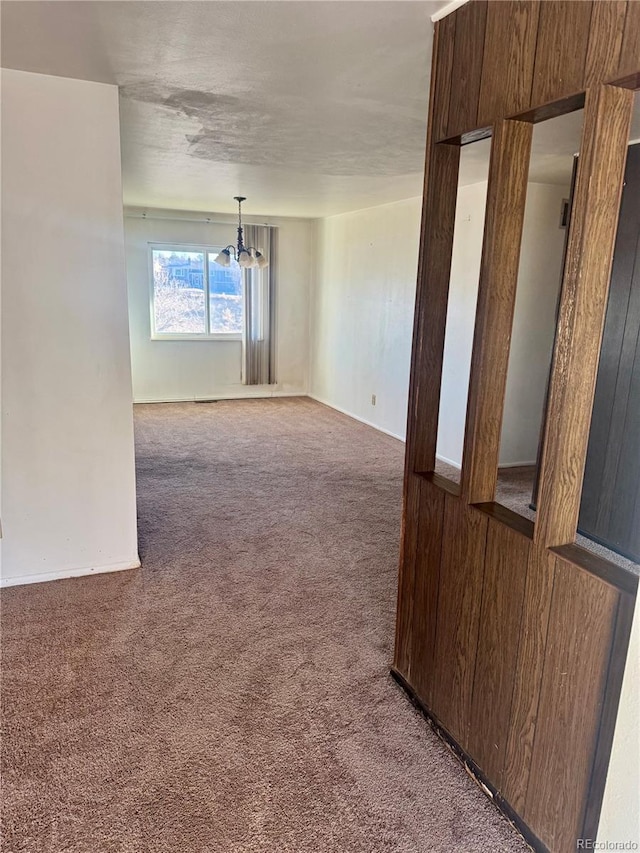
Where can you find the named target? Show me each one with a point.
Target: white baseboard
(500, 467)
(234, 395)
(355, 417)
(69, 573)
(401, 438)
(453, 464)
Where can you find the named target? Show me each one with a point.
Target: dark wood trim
(476, 135)
(468, 137)
(469, 764)
(631, 81)
(508, 517)
(543, 112)
(607, 571)
(633, 558)
(440, 482)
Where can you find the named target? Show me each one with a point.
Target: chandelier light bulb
(224, 258)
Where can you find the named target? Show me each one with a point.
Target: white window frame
(190, 336)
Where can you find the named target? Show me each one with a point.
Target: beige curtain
(258, 349)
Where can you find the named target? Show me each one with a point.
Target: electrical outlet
(373, 399)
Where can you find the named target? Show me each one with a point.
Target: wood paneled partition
(510, 636)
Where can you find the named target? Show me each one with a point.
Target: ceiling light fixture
(246, 256)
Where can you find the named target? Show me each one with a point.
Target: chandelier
(246, 256)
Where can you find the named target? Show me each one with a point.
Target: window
(193, 297)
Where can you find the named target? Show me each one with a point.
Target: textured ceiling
(307, 108)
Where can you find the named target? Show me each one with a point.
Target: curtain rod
(178, 216)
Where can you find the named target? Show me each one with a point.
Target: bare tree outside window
(193, 298)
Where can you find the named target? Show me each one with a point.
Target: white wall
(533, 325)
(620, 815)
(188, 370)
(461, 312)
(534, 322)
(363, 312)
(68, 490)
(362, 316)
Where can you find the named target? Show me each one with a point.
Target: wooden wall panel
(561, 51)
(443, 69)
(460, 592)
(493, 627)
(582, 311)
(467, 64)
(505, 572)
(431, 312)
(508, 171)
(581, 625)
(406, 576)
(509, 55)
(605, 41)
(630, 52)
(442, 43)
(531, 652)
(425, 604)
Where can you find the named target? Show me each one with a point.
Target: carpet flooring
(234, 694)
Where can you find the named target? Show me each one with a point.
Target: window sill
(221, 337)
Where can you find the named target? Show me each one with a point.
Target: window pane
(226, 303)
(178, 293)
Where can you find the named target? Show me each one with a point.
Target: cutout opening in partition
(552, 166)
(461, 307)
(609, 520)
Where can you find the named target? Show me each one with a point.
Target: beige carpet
(233, 694)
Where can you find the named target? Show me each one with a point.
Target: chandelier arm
(255, 257)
